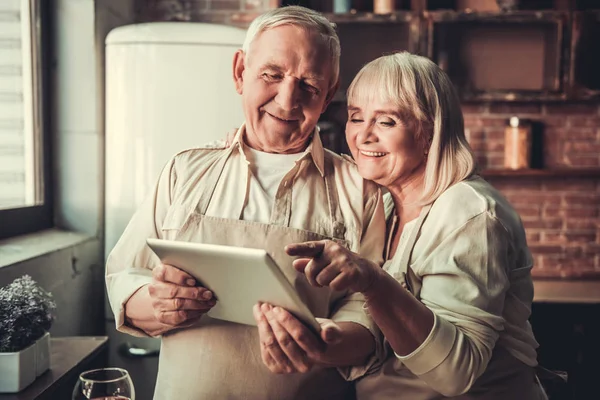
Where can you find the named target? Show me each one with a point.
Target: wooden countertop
(566, 291)
(69, 356)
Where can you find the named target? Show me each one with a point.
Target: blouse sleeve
(465, 281)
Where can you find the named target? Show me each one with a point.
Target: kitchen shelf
(369, 17)
(511, 56)
(542, 173)
(584, 81)
(366, 36)
(567, 291)
(549, 55)
(522, 16)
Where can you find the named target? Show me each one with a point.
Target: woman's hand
(326, 263)
(287, 346)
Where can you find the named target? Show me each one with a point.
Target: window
(25, 196)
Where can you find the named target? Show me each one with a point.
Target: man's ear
(238, 70)
(330, 95)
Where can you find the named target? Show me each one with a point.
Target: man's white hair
(308, 19)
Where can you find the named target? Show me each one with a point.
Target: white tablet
(238, 277)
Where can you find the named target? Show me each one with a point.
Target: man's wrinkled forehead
(268, 42)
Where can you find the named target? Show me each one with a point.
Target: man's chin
(285, 144)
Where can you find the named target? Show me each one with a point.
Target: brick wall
(561, 216)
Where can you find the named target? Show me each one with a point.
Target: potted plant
(26, 315)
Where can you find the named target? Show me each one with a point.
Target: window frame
(29, 219)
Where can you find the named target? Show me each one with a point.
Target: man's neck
(252, 141)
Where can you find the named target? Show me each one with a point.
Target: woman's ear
(425, 135)
(239, 65)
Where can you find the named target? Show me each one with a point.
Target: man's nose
(288, 95)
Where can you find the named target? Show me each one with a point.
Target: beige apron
(221, 360)
(505, 378)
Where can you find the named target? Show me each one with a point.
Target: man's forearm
(140, 314)
(356, 346)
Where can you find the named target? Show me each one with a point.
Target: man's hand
(326, 263)
(287, 346)
(176, 300)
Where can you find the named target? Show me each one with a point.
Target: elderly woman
(454, 296)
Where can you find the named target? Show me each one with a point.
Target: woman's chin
(370, 174)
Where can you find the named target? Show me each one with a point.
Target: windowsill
(26, 247)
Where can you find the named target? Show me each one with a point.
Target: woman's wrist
(375, 287)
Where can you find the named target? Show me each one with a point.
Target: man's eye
(356, 120)
(271, 77)
(310, 88)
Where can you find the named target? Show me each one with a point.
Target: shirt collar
(314, 150)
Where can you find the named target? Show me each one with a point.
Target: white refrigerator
(169, 87)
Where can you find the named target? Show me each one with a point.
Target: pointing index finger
(306, 249)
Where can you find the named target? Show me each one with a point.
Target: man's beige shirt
(130, 263)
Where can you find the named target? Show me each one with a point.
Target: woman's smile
(376, 154)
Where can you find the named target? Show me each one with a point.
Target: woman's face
(383, 145)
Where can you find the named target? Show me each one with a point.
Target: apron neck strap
(338, 229)
(210, 181)
(403, 262)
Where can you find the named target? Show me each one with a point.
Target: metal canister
(517, 144)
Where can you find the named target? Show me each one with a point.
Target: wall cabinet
(584, 79)
(527, 55)
(365, 37)
(500, 56)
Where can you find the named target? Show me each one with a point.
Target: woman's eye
(387, 123)
(356, 120)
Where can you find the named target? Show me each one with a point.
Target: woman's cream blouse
(472, 258)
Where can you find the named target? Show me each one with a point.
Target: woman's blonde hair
(428, 101)
(302, 17)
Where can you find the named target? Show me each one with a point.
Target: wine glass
(104, 384)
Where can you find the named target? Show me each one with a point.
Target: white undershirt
(267, 171)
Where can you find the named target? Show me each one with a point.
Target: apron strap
(402, 265)
(338, 229)
(210, 183)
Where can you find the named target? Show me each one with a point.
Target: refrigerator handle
(128, 350)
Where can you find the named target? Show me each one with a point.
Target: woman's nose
(366, 134)
(288, 95)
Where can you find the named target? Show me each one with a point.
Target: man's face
(285, 86)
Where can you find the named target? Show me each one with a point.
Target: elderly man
(273, 186)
